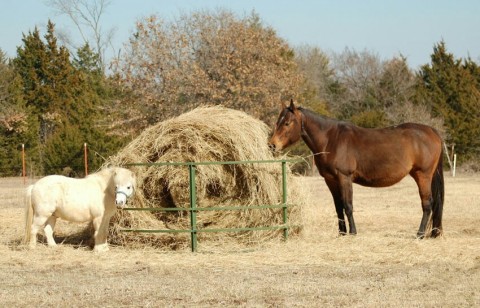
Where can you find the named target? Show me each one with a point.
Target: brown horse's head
(288, 128)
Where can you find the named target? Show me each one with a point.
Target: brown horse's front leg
(342, 197)
(346, 190)
(337, 199)
(347, 196)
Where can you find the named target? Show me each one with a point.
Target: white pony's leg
(33, 235)
(37, 224)
(99, 236)
(101, 248)
(49, 227)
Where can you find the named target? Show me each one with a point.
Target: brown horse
(346, 154)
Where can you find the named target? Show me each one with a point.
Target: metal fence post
(193, 207)
(284, 198)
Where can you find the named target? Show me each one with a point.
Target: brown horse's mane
(322, 119)
(318, 118)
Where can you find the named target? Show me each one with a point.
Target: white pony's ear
(134, 176)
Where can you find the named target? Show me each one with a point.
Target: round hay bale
(205, 134)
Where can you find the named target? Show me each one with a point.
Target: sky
(387, 28)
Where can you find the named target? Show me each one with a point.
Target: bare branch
(86, 16)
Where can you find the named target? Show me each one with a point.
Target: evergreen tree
(16, 126)
(95, 94)
(451, 88)
(66, 97)
(45, 70)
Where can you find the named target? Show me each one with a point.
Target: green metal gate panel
(193, 201)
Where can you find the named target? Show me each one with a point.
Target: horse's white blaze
(120, 199)
(79, 200)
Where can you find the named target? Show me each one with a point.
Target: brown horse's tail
(438, 194)
(28, 214)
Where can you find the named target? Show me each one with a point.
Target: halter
(122, 192)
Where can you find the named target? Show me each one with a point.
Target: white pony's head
(125, 183)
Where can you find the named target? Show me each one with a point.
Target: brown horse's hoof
(436, 233)
(345, 233)
(420, 236)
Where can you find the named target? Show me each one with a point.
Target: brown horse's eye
(287, 123)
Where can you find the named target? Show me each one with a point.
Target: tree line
(53, 99)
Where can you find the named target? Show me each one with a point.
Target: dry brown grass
(383, 266)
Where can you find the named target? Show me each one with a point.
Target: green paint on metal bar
(205, 209)
(244, 229)
(241, 208)
(206, 230)
(193, 206)
(157, 209)
(284, 197)
(235, 162)
(210, 230)
(156, 230)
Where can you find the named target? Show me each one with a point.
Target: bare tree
(396, 92)
(358, 75)
(207, 58)
(315, 66)
(86, 16)
(375, 92)
(397, 83)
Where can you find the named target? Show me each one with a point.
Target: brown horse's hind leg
(424, 188)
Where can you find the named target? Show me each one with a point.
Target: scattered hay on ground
(205, 134)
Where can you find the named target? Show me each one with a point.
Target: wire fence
(25, 166)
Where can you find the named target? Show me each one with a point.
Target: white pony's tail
(28, 214)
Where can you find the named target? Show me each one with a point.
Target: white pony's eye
(129, 187)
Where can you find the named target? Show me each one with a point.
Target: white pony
(93, 198)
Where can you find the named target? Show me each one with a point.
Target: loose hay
(205, 134)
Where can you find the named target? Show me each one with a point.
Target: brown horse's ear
(282, 105)
(292, 105)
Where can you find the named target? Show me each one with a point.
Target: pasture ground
(383, 266)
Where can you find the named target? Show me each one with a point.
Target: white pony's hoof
(101, 248)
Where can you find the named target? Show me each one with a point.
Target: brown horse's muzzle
(274, 145)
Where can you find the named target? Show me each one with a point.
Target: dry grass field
(383, 266)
